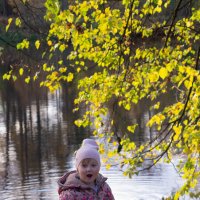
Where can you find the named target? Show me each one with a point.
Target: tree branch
(172, 23)
(26, 23)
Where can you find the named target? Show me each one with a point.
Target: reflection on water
(37, 141)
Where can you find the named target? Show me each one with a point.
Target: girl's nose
(88, 168)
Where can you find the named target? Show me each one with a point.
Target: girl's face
(88, 170)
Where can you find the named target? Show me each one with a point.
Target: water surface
(37, 141)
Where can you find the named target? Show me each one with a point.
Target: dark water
(38, 138)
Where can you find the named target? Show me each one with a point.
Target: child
(85, 183)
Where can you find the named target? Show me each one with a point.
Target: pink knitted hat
(91, 143)
(89, 149)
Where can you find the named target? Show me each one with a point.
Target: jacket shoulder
(106, 192)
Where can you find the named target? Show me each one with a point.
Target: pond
(38, 138)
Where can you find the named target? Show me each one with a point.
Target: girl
(85, 183)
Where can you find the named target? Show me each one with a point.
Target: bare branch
(172, 22)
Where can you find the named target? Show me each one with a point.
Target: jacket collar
(72, 180)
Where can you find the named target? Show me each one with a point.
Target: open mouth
(89, 175)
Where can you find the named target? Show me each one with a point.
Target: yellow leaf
(163, 73)
(21, 71)
(169, 67)
(62, 47)
(110, 154)
(131, 146)
(189, 23)
(153, 77)
(70, 77)
(37, 44)
(177, 130)
(176, 196)
(35, 77)
(166, 4)
(14, 77)
(108, 166)
(86, 18)
(132, 128)
(41, 84)
(27, 80)
(70, 17)
(159, 2)
(127, 106)
(188, 84)
(158, 9)
(6, 76)
(23, 44)
(9, 22)
(156, 106)
(63, 69)
(18, 22)
(49, 42)
(78, 69)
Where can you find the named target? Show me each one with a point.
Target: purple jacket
(72, 188)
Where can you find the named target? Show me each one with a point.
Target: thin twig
(172, 23)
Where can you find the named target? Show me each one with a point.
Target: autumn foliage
(132, 50)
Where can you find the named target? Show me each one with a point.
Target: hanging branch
(172, 22)
(7, 42)
(197, 59)
(25, 22)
